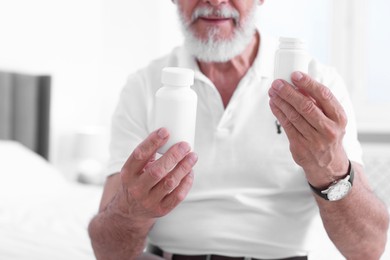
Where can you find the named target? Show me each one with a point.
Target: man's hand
(144, 190)
(152, 188)
(314, 122)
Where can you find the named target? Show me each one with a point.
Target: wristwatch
(338, 189)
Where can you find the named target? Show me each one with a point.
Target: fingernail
(278, 84)
(296, 76)
(184, 148)
(162, 133)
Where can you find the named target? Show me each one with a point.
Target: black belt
(157, 251)
(221, 257)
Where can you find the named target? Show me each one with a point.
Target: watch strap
(325, 196)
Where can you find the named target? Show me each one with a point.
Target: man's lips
(214, 20)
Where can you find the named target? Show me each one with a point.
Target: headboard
(25, 110)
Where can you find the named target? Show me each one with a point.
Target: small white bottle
(175, 106)
(291, 56)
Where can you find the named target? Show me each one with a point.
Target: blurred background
(89, 47)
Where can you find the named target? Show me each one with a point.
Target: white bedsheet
(42, 215)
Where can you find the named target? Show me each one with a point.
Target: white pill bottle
(291, 56)
(175, 106)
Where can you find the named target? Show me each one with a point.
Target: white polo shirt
(249, 197)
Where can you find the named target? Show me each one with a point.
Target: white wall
(133, 33)
(60, 38)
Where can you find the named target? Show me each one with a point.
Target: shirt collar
(187, 60)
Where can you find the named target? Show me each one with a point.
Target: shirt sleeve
(129, 125)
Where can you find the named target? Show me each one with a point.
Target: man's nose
(216, 2)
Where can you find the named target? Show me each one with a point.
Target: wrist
(322, 177)
(338, 189)
(116, 236)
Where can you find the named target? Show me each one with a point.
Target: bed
(44, 216)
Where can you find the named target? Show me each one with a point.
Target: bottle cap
(177, 76)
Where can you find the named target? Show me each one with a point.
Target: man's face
(217, 30)
(221, 17)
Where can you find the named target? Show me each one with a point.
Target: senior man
(245, 190)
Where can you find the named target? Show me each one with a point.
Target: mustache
(223, 12)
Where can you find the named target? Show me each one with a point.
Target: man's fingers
(170, 187)
(288, 126)
(290, 118)
(179, 193)
(297, 106)
(322, 95)
(143, 153)
(160, 168)
(172, 180)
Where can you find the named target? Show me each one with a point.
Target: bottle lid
(291, 43)
(177, 76)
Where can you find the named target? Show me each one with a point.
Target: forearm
(357, 224)
(114, 235)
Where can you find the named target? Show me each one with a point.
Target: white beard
(220, 50)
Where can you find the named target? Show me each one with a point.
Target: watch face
(339, 190)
